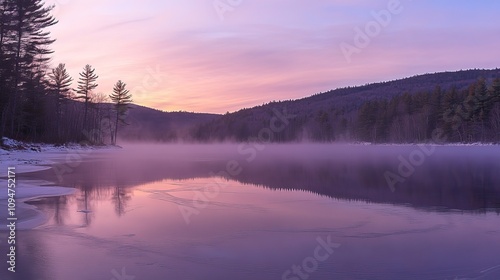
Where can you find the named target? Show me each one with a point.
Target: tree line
(467, 114)
(37, 102)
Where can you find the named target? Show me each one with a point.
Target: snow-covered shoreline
(29, 216)
(31, 157)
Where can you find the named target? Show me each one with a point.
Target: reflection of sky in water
(249, 232)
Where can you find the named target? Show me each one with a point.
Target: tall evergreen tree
(122, 99)
(483, 105)
(60, 83)
(448, 115)
(86, 83)
(7, 9)
(367, 117)
(495, 109)
(24, 46)
(495, 90)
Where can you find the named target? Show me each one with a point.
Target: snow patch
(28, 215)
(30, 157)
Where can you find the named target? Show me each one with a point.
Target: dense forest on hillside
(471, 115)
(378, 113)
(147, 124)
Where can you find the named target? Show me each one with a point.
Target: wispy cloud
(123, 23)
(266, 50)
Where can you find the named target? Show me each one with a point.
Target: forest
(470, 115)
(465, 114)
(38, 103)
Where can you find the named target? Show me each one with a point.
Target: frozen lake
(291, 212)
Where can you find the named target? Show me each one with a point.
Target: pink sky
(182, 55)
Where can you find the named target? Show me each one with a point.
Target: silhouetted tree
(121, 98)
(60, 82)
(24, 44)
(86, 83)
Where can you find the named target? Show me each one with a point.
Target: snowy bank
(28, 216)
(30, 157)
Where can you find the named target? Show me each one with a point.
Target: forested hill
(147, 124)
(354, 96)
(464, 104)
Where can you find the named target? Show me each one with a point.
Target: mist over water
(454, 177)
(253, 211)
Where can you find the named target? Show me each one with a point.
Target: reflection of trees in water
(453, 182)
(55, 207)
(98, 190)
(60, 211)
(88, 194)
(462, 185)
(120, 199)
(85, 204)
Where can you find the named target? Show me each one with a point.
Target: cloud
(124, 22)
(265, 50)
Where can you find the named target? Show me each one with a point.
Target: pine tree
(24, 48)
(122, 99)
(6, 58)
(60, 82)
(367, 117)
(433, 118)
(448, 117)
(495, 90)
(495, 109)
(482, 106)
(7, 9)
(86, 83)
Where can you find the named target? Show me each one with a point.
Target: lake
(250, 211)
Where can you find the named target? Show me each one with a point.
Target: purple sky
(188, 55)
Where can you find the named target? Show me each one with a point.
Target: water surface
(255, 212)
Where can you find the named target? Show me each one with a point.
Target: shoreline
(29, 216)
(27, 158)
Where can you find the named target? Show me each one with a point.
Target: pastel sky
(188, 55)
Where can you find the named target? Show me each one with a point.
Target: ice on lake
(261, 212)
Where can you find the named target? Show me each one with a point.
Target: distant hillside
(334, 115)
(147, 124)
(354, 96)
